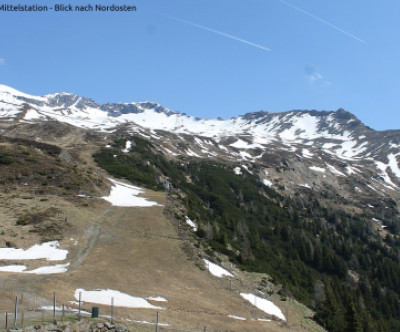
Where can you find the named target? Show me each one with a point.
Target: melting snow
(240, 144)
(13, 268)
(123, 194)
(317, 169)
(217, 270)
(267, 182)
(191, 223)
(307, 154)
(245, 155)
(351, 170)
(53, 269)
(157, 299)
(335, 171)
(103, 296)
(394, 165)
(191, 153)
(264, 305)
(247, 169)
(236, 317)
(59, 268)
(237, 170)
(223, 148)
(48, 250)
(384, 174)
(128, 146)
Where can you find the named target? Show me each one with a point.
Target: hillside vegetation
(331, 260)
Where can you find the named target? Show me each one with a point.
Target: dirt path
(89, 238)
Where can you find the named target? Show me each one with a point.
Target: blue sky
(210, 58)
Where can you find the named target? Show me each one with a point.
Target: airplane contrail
(323, 21)
(218, 32)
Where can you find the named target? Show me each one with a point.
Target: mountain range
(310, 197)
(310, 149)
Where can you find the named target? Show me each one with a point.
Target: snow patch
(306, 153)
(48, 251)
(237, 170)
(192, 154)
(59, 268)
(237, 317)
(334, 170)
(317, 169)
(393, 164)
(268, 183)
(240, 144)
(191, 223)
(216, 270)
(128, 146)
(104, 296)
(156, 299)
(13, 268)
(264, 305)
(123, 194)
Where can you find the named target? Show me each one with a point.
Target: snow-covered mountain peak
(337, 133)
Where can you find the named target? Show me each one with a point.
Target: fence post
(22, 319)
(6, 320)
(112, 310)
(63, 311)
(79, 310)
(15, 313)
(157, 322)
(54, 308)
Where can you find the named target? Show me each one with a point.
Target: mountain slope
(311, 198)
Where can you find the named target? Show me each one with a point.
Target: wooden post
(6, 320)
(63, 312)
(22, 319)
(54, 308)
(15, 313)
(79, 309)
(112, 310)
(157, 322)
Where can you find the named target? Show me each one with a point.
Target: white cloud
(2, 61)
(313, 76)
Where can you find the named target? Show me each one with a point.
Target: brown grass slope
(137, 251)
